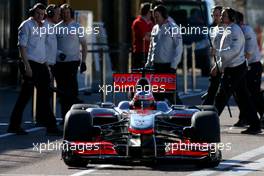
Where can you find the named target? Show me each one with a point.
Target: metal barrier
(193, 67)
(34, 102)
(185, 67)
(185, 70)
(103, 68)
(34, 105)
(103, 72)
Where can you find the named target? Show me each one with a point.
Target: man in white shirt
(233, 65)
(253, 76)
(69, 39)
(53, 17)
(215, 35)
(165, 49)
(32, 49)
(166, 43)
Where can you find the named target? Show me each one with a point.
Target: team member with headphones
(234, 67)
(32, 50)
(68, 58)
(165, 49)
(53, 17)
(253, 77)
(216, 34)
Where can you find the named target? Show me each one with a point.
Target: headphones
(67, 6)
(72, 12)
(32, 10)
(231, 14)
(162, 10)
(50, 10)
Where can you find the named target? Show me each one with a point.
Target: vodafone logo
(166, 81)
(153, 78)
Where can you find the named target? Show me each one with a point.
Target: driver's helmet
(143, 99)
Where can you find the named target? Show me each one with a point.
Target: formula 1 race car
(141, 130)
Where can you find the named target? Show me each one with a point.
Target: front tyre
(77, 127)
(211, 162)
(72, 160)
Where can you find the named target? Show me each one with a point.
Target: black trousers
(41, 80)
(214, 83)
(67, 84)
(138, 60)
(234, 82)
(253, 80)
(165, 68)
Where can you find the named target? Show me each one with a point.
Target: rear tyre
(205, 128)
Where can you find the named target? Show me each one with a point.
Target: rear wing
(159, 82)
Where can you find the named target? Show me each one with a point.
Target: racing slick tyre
(83, 106)
(211, 162)
(77, 127)
(74, 161)
(205, 127)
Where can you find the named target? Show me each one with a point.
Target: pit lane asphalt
(19, 157)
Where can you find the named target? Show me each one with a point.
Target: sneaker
(54, 132)
(18, 131)
(262, 122)
(240, 123)
(251, 131)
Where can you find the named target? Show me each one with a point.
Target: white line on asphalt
(233, 161)
(29, 130)
(246, 168)
(85, 172)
